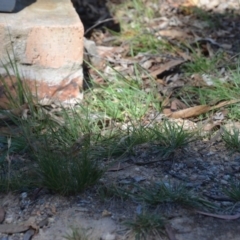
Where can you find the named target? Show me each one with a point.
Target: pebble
(23, 195)
(226, 177)
(9, 219)
(224, 182)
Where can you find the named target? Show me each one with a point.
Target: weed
(146, 225)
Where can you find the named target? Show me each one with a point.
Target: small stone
(53, 209)
(9, 219)
(51, 220)
(224, 182)
(226, 177)
(193, 177)
(23, 195)
(108, 236)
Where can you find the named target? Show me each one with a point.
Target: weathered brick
(45, 41)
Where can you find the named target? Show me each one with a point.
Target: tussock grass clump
(169, 137)
(233, 191)
(77, 234)
(146, 225)
(159, 193)
(232, 139)
(67, 174)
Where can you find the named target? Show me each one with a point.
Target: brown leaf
(166, 67)
(184, 55)
(210, 126)
(225, 103)
(2, 214)
(226, 217)
(197, 110)
(176, 104)
(190, 112)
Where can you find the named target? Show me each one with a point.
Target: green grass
(122, 99)
(170, 137)
(231, 139)
(159, 193)
(233, 191)
(146, 225)
(213, 22)
(201, 63)
(113, 191)
(77, 234)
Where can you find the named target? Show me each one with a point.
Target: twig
(96, 24)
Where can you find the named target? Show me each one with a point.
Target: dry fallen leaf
(225, 103)
(176, 104)
(173, 34)
(210, 126)
(190, 112)
(166, 67)
(197, 110)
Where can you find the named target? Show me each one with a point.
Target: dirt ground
(201, 166)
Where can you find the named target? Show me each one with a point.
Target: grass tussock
(146, 226)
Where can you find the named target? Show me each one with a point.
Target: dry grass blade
(198, 110)
(226, 217)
